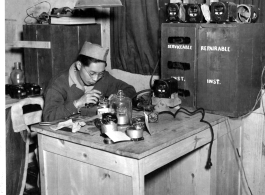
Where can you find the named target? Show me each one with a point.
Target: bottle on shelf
(17, 76)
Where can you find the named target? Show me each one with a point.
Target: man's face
(92, 73)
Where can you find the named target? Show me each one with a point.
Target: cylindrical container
(138, 123)
(18, 92)
(134, 133)
(122, 107)
(17, 75)
(105, 128)
(32, 89)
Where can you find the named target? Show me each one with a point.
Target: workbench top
(167, 131)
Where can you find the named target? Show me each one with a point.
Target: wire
(202, 111)
(136, 99)
(158, 60)
(239, 160)
(150, 82)
(31, 15)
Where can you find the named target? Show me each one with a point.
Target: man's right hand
(90, 97)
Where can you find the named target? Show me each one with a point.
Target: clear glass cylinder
(122, 107)
(17, 76)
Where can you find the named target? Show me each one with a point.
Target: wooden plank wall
(254, 149)
(42, 64)
(11, 54)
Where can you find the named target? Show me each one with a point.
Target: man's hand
(90, 97)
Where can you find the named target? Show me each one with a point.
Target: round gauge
(153, 117)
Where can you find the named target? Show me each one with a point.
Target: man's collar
(73, 77)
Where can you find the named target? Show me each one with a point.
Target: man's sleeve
(55, 106)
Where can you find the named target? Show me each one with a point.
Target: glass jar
(122, 107)
(17, 75)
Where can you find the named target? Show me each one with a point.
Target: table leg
(138, 178)
(41, 165)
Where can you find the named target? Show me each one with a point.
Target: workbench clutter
(197, 11)
(70, 16)
(19, 89)
(106, 127)
(112, 132)
(62, 15)
(112, 117)
(23, 90)
(66, 15)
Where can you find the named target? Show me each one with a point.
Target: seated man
(83, 83)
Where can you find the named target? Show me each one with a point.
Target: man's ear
(78, 65)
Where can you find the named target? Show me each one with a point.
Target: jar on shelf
(17, 76)
(122, 107)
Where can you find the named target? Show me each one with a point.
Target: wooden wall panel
(30, 55)
(57, 45)
(89, 34)
(227, 167)
(70, 37)
(66, 41)
(44, 62)
(254, 153)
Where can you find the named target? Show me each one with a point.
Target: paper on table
(75, 126)
(117, 136)
(146, 123)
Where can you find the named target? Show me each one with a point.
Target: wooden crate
(180, 52)
(66, 41)
(229, 67)
(225, 65)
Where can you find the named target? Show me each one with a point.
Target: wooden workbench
(78, 163)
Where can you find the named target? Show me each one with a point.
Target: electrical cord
(202, 111)
(31, 15)
(150, 82)
(141, 100)
(158, 60)
(134, 99)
